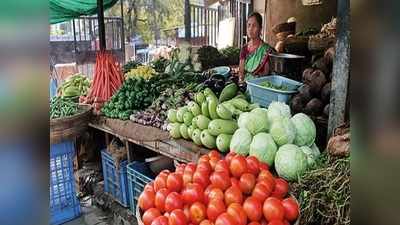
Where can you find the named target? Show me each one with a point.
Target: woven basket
(68, 128)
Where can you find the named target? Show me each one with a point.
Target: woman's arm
(241, 70)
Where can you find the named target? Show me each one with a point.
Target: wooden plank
(341, 68)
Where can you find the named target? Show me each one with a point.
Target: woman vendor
(254, 55)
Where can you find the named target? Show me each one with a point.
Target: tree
(149, 18)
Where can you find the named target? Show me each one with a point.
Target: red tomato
(207, 192)
(265, 174)
(203, 158)
(166, 214)
(254, 223)
(180, 169)
(229, 157)
(215, 208)
(286, 222)
(214, 154)
(186, 210)
(220, 180)
(149, 187)
(238, 166)
(160, 181)
(187, 177)
(253, 208)
(261, 192)
(198, 213)
(213, 162)
(166, 172)
(253, 165)
(191, 167)
(236, 210)
(235, 182)
(177, 217)
(222, 166)
(273, 209)
(225, 219)
(263, 221)
(276, 222)
(174, 182)
(291, 209)
(161, 220)
(247, 182)
(215, 194)
(150, 215)
(281, 188)
(192, 193)
(206, 222)
(201, 178)
(159, 201)
(173, 201)
(204, 167)
(146, 200)
(263, 166)
(233, 195)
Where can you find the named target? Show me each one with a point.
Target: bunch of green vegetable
(145, 72)
(156, 114)
(160, 64)
(210, 57)
(231, 55)
(324, 192)
(209, 120)
(62, 107)
(130, 65)
(269, 84)
(75, 86)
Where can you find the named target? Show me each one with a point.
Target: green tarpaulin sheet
(63, 10)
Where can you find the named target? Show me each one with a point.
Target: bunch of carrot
(107, 80)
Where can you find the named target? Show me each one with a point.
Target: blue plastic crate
(115, 180)
(64, 205)
(264, 95)
(138, 177)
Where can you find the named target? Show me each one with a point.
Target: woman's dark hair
(257, 16)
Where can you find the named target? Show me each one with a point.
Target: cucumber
(212, 107)
(181, 111)
(190, 130)
(224, 112)
(183, 130)
(219, 126)
(187, 118)
(228, 92)
(229, 106)
(196, 136)
(194, 122)
(194, 108)
(240, 104)
(207, 139)
(200, 98)
(202, 122)
(223, 141)
(204, 109)
(208, 92)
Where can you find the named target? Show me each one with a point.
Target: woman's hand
(241, 71)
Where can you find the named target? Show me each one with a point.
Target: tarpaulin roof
(63, 10)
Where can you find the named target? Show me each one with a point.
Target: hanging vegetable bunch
(75, 86)
(107, 80)
(145, 72)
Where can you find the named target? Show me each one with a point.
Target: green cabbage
(315, 150)
(263, 148)
(290, 162)
(283, 131)
(241, 141)
(255, 121)
(311, 157)
(305, 130)
(174, 130)
(278, 111)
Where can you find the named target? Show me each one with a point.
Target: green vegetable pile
(160, 64)
(324, 192)
(62, 107)
(173, 97)
(210, 57)
(269, 84)
(208, 120)
(231, 55)
(75, 86)
(130, 65)
(135, 94)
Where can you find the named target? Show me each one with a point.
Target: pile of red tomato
(234, 190)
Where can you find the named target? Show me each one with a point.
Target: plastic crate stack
(115, 179)
(138, 177)
(64, 205)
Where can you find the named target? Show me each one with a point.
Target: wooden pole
(188, 26)
(341, 68)
(100, 18)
